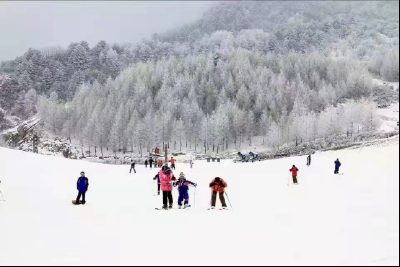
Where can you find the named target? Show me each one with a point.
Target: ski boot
(186, 206)
(179, 207)
(164, 207)
(170, 206)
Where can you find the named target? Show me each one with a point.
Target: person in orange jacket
(218, 185)
(294, 171)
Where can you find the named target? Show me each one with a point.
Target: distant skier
(146, 162)
(218, 185)
(337, 166)
(82, 185)
(166, 178)
(132, 166)
(172, 163)
(160, 163)
(157, 177)
(191, 164)
(294, 171)
(183, 188)
(309, 160)
(151, 161)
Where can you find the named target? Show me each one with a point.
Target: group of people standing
(166, 181)
(294, 169)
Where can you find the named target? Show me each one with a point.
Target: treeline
(367, 32)
(200, 100)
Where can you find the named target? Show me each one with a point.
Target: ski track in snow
(330, 220)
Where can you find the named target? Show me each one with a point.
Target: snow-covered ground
(389, 117)
(330, 220)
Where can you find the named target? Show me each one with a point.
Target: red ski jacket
(294, 171)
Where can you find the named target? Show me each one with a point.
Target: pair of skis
(173, 208)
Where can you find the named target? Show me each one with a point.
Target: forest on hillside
(244, 69)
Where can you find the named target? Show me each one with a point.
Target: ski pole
(228, 200)
(2, 195)
(194, 202)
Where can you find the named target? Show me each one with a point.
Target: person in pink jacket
(167, 178)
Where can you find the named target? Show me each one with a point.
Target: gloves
(195, 185)
(222, 185)
(212, 184)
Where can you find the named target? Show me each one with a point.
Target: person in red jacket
(294, 171)
(172, 163)
(218, 185)
(167, 179)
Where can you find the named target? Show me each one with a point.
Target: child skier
(183, 188)
(218, 185)
(294, 171)
(337, 166)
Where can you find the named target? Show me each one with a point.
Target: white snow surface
(349, 219)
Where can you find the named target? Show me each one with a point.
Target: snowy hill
(330, 220)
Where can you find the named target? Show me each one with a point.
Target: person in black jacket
(132, 166)
(82, 185)
(151, 161)
(146, 162)
(309, 160)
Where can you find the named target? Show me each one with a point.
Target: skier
(132, 166)
(309, 160)
(183, 188)
(151, 161)
(218, 186)
(146, 162)
(160, 163)
(294, 171)
(82, 185)
(191, 164)
(157, 177)
(337, 166)
(172, 163)
(166, 178)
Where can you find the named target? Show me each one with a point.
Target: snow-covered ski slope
(330, 220)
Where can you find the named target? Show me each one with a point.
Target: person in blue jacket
(183, 188)
(157, 177)
(82, 185)
(337, 166)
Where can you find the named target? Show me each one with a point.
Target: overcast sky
(42, 24)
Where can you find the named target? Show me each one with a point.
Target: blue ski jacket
(157, 177)
(183, 186)
(83, 184)
(337, 164)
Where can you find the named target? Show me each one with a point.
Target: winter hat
(181, 175)
(217, 179)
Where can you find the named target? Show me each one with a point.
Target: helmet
(167, 170)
